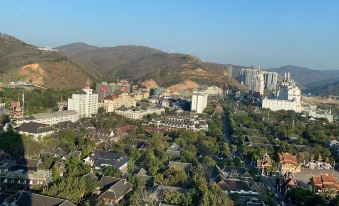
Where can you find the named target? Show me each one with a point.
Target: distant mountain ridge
(324, 88)
(143, 63)
(72, 64)
(24, 62)
(306, 76)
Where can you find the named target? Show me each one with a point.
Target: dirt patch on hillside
(150, 84)
(186, 85)
(197, 72)
(32, 73)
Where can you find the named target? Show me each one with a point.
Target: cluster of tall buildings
(288, 97)
(258, 80)
(120, 94)
(105, 89)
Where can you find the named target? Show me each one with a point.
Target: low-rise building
(27, 179)
(116, 192)
(235, 180)
(27, 198)
(139, 113)
(288, 163)
(56, 117)
(25, 174)
(313, 111)
(184, 121)
(35, 129)
(327, 185)
(238, 173)
(214, 91)
(100, 159)
(303, 177)
(141, 94)
(115, 101)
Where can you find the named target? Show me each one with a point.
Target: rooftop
(286, 158)
(34, 128)
(54, 114)
(27, 198)
(306, 174)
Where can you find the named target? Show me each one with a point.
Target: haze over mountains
(74, 62)
(306, 76)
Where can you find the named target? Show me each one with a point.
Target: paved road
(278, 197)
(268, 181)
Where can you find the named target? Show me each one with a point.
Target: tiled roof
(234, 185)
(31, 199)
(106, 182)
(35, 128)
(54, 114)
(117, 191)
(286, 158)
(325, 181)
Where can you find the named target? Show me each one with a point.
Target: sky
(266, 33)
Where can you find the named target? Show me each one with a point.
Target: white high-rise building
(199, 101)
(289, 97)
(271, 80)
(84, 101)
(254, 79)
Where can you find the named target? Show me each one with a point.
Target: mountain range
(72, 64)
(22, 61)
(143, 63)
(305, 76)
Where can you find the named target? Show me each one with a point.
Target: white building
(56, 117)
(271, 80)
(313, 111)
(139, 114)
(289, 97)
(35, 129)
(254, 79)
(277, 104)
(84, 101)
(214, 91)
(199, 101)
(185, 121)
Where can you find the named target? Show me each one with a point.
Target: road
(268, 181)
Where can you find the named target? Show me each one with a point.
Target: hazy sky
(267, 33)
